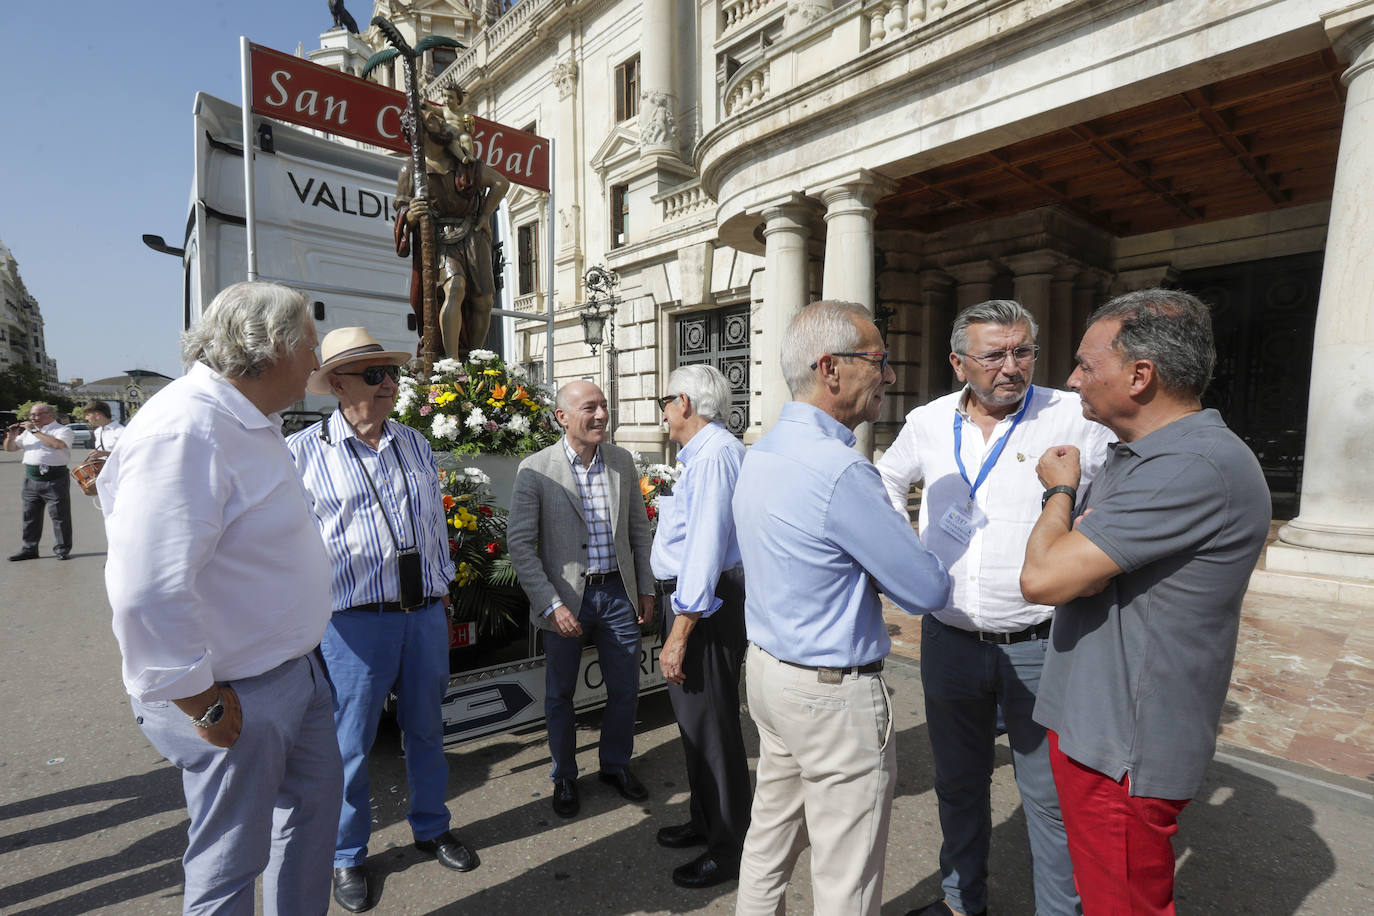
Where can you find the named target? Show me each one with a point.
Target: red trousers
(1123, 857)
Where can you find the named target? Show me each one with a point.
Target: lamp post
(598, 326)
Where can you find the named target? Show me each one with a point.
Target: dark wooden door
(720, 338)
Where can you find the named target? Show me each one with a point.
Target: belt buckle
(829, 675)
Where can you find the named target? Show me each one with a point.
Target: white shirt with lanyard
(959, 522)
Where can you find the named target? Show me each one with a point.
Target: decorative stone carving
(565, 77)
(657, 118)
(802, 13)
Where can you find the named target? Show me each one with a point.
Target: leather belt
(391, 607)
(1039, 631)
(666, 586)
(830, 675)
(601, 578)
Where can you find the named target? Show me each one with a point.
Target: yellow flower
(465, 573)
(445, 398)
(491, 371)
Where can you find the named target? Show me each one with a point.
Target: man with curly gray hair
(219, 585)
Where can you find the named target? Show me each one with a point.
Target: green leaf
(381, 57)
(437, 41)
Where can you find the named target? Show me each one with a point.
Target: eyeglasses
(996, 358)
(664, 401)
(869, 355)
(373, 375)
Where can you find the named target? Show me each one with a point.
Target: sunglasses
(373, 375)
(664, 401)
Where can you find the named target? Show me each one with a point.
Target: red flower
(651, 512)
(485, 510)
(493, 548)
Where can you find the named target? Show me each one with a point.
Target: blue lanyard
(996, 452)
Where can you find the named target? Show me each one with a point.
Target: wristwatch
(212, 715)
(1062, 488)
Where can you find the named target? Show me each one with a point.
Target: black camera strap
(410, 501)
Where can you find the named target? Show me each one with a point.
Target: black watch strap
(1062, 488)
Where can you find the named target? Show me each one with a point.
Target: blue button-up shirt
(820, 541)
(695, 541)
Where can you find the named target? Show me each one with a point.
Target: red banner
(300, 92)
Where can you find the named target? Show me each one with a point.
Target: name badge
(960, 523)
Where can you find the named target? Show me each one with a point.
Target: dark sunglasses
(373, 375)
(664, 401)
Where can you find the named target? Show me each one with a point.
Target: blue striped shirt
(361, 552)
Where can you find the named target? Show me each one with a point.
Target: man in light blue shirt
(819, 541)
(700, 585)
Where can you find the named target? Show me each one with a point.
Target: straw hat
(342, 346)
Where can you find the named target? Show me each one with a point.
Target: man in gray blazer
(579, 538)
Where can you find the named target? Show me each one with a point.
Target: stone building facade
(21, 322)
(733, 159)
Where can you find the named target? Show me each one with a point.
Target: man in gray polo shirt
(1149, 581)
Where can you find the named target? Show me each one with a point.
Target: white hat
(342, 346)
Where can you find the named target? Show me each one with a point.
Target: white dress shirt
(986, 572)
(356, 535)
(216, 570)
(42, 455)
(105, 437)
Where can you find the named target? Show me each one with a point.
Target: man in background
(47, 450)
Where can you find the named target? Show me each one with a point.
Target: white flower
(477, 476)
(481, 356)
(518, 424)
(476, 419)
(448, 364)
(445, 427)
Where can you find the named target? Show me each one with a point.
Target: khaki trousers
(827, 767)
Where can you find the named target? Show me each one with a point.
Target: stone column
(849, 252)
(658, 110)
(1334, 531)
(1061, 324)
(786, 231)
(937, 316)
(975, 282)
(1034, 272)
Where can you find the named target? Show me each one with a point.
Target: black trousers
(706, 706)
(57, 493)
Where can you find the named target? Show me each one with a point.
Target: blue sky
(97, 144)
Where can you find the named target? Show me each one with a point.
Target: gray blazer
(547, 533)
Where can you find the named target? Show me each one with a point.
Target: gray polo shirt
(1135, 675)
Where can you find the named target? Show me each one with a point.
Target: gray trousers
(57, 493)
(267, 806)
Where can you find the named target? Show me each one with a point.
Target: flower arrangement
(655, 480)
(480, 406)
(485, 589)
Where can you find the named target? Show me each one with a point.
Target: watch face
(215, 713)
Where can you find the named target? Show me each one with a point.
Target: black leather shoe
(450, 852)
(940, 908)
(351, 890)
(626, 784)
(705, 871)
(24, 555)
(680, 837)
(62, 554)
(565, 803)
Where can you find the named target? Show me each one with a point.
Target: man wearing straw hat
(380, 512)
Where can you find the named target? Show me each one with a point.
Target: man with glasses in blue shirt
(379, 509)
(818, 543)
(976, 450)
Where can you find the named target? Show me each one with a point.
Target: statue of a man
(463, 194)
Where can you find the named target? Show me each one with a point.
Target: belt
(601, 578)
(666, 586)
(390, 607)
(1039, 631)
(830, 675)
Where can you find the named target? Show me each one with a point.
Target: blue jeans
(608, 622)
(368, 653)
(265, 806)
(965, 681)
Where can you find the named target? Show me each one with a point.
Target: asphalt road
(92, 819)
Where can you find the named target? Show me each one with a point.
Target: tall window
(620, 214)
(527, 259)
(627, 89)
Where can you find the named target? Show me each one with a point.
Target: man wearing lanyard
(818, 542)
(976, 450)
(380, 512)
(700, 587)
(46, 445)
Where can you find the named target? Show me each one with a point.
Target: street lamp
(598, 325)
